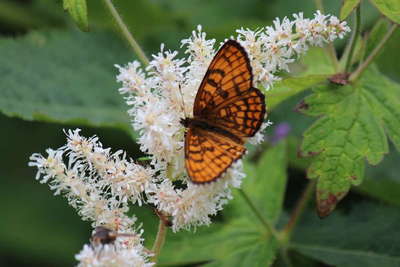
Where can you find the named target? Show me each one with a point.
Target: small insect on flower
(103, 235)
(227, 110)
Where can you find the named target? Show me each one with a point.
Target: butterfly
(227, 110)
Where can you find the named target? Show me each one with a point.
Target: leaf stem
(266, 224)
(354, 76)
(354, 38)
(298, 210)
(126, 33)
(160, 239)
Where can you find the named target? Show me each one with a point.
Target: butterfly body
(227, 110)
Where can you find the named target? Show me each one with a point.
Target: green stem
(373, 54)
(354, 38)
(319, 5)
(299, 209)
(160, 239)
(266, 224)
(126, 33)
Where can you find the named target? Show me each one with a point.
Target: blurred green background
(42, 51)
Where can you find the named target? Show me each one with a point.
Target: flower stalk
(298, 211)
(160, 240)
(126, 33)
(253, 207)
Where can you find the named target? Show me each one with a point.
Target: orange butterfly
(227, 110)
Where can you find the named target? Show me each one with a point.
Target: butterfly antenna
(183, 102)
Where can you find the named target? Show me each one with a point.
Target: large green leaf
(65, 77)
(389, 8)
(241, 240)
(265, 184)
(352, 127)
(366, 236)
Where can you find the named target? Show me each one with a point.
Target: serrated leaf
(347, 7)
(365, 236)
(63, 77)
(78, 11)
(352, 127)
(389, 8)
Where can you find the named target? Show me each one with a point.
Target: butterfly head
(185, 122)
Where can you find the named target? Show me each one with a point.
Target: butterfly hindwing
(209, 154)
(242, 116)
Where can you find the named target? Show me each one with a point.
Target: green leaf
(241, 240)
(347, 7)
(365, 236)
(78, 11)
(353, 123)
(317, 62)
(266, 183)
(389, 8)
(63, 77)
(291, 86)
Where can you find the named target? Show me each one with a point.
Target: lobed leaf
(355, 120)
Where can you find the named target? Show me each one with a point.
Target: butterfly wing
(208, 154)
(226, 97)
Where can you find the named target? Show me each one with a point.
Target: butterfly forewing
(228, 75)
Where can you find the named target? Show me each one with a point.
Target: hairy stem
(298, 210)
(354, 37)
(126, 33)
(266, 224)
(160, 239)
(373, 54)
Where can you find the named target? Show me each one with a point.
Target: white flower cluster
(111, 255)
(101, 184)
(272, 48)
(163, 93)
